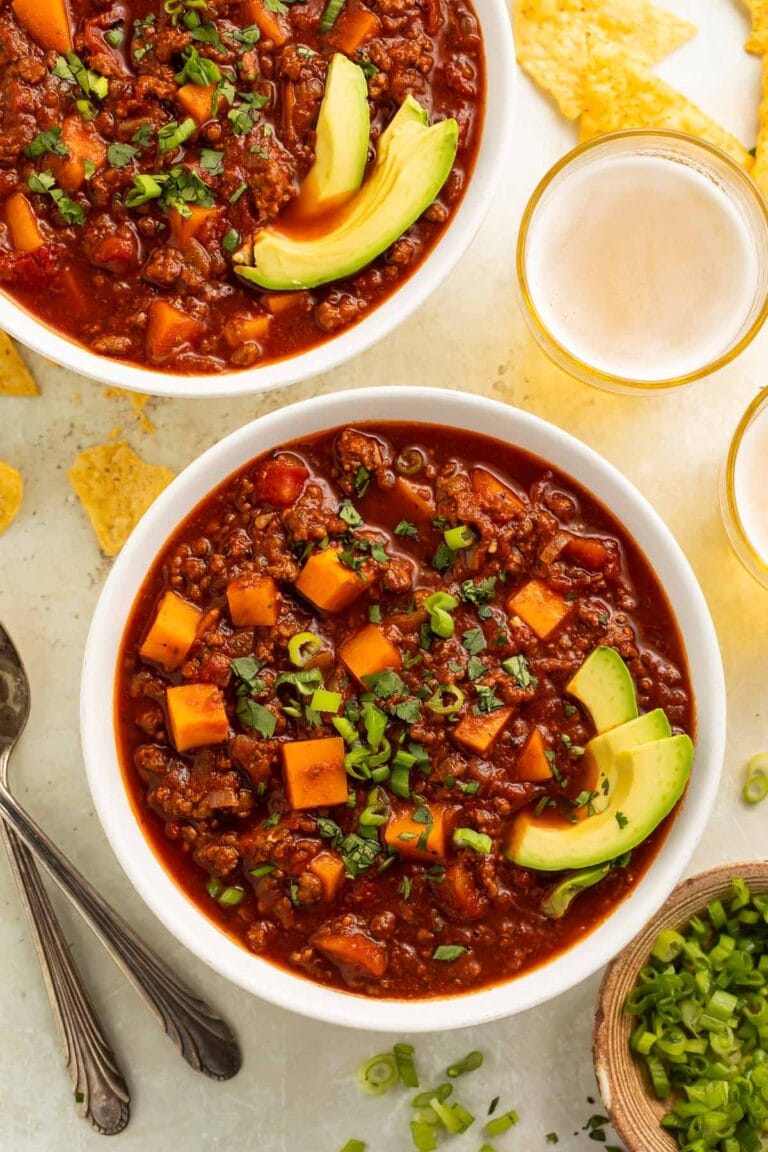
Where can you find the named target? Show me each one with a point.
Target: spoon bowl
(15, 700)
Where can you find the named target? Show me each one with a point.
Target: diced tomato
(280, 482)
(32, 268)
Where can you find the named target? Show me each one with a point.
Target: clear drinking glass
(744, 489)
(706, 181)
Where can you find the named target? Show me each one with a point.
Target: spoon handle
(202, 1037)
(97, 1082)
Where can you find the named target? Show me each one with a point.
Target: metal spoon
(98, 1084)
(202, 1037)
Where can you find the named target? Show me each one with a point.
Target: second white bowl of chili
(221, 842)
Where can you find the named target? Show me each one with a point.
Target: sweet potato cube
(495, 497)
(196, 715)
(355, 28)
(47, 22)
(253, 601)
(269, 23)
(328, 583)
(240, 330)
(532, 764)
(405, 835)
(417, 500)
(539, 607)
(354, 950)
(172, 633)
(23, 225)
(329, 869)
(478, 732)
(368, 652)
(168, 330)
(314, 772)
(586, 551)
(197, 101)
(185, 228)
(84, 144)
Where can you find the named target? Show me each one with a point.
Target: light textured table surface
(296, 1091)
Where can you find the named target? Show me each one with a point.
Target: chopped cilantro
(230, 240)
(480, 592)
(385, 684)
(621, 820)
(443, 558)
(350, 515)
(120, 155)
(517, 666)
(362, 480)
(476, 668)
(473, 640)
(406, 528)
(256, 716)
(448, 952)
(48, 141)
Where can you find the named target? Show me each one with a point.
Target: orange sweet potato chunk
(23, 225)
(478, 732)
(539, 607)
(172, 633)
(353, 950)
(168, 329)
(368, 652)
(269, 23)
(197, 101)
(84, 143)
(254, 601)
(314, 772)
(329, 869)
(496, 498)
(328, 584)
(182, 229)
(196, 715)
(355, 28)
(404, 835)
(47, 22)
(532, 764)
(416, 500)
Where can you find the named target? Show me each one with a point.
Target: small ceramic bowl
(629, 1100)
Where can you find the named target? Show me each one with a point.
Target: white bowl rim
(179, 914)
(495, 145)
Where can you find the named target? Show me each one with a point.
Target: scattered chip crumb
(115, 487)
(15, 378)
(114, 432)
(551, 40)
(619, 93)
(138, 401)
(11, 493)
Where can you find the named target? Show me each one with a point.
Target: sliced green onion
(440, 605)
(560, 898)
(144, 188)
(214, 887)
(471, 1062)
(437, 703)
(377, 1075)
(324, 701)
(400, 780)
(460, 537)
(404, 1054)
(423, 1136)
(501, 1124)
(331, 14)
(755, 787)
(302, 647)
(262, 870)
(409, 462)
(669, 944)
(86, 109)
(356, 763)
(346, 729)
(231, 897)
(477, 841)
(173, 134)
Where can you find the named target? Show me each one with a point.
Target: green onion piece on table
(302, 647)
(423, 1100)
(424, 1136)
(471, 1062)
(377, 1075)
(406, 1068)
(756, 785)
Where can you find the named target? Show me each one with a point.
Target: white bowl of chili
(458, 415)
(85, 292)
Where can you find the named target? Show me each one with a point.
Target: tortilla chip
(115, 487)
(760, 170)
(620, 94)
(551, 40)
(758, 37)
(11, 493)
(15, 377)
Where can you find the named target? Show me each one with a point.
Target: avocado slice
(601, 752)
(412, 164)
(341, 140)
(646, 783)
(604, 686)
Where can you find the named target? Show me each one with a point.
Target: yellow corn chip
(758, 37)
(760, 170)
(551, 39)
(15, 377)
(619, 94)
(11, 492)
(115, 487)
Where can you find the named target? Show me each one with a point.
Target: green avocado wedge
(601, 752)
(646, 782)
(604, 686)
(341, 141)
(412, 164)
